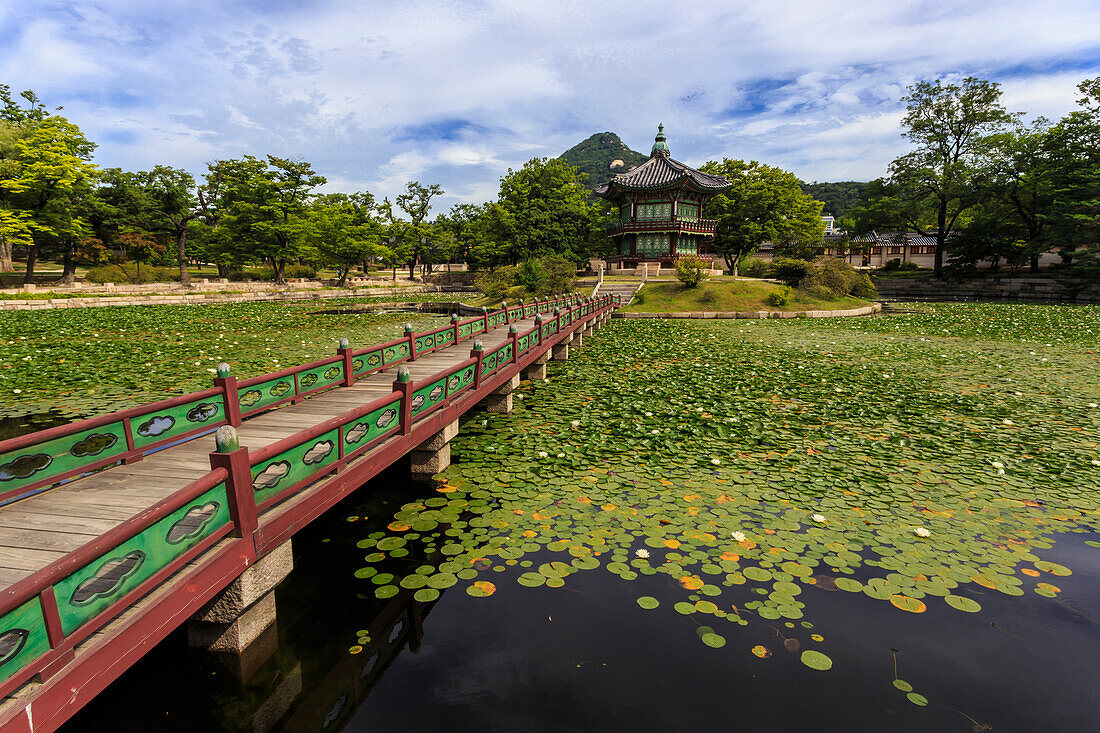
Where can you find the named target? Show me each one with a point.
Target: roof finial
(660, 142)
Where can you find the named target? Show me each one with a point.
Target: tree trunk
(941, 238)
(68, 274)
(412, 269)
(181, 245)
(223, 271)
(279, 266)
(5, 256)
(32, 258)
(1035, 262)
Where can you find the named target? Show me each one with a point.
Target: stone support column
(238, 624)
(537, 369)
(561, 352)
(434, 454)
(500, 401)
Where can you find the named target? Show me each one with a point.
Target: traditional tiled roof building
(660, 207)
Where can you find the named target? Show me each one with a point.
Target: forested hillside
(602, 156)
(838, 197)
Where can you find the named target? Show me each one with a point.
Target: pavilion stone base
(500, 401)
(434, 454)
(537, 369)
(238, 625)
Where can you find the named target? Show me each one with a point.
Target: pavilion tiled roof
(662, 171)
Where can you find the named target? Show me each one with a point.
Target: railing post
(454, 325)
(557, 320)
(485, 319)
(513, 332)
(478, 353)
(412, 341)
(228, 384)
(345, 351)
(522, 310)
(403, 384)
(507, 316)
(229, 454)
(538, 327)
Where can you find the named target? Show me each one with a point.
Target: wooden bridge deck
(60, 645)
(44, 528)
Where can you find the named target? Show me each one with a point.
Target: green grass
(740, 295)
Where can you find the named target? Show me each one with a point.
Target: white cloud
(456, 93)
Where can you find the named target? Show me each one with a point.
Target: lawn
(739, 295)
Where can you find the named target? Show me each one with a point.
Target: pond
(886, 523)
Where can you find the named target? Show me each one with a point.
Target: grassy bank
(740, 295)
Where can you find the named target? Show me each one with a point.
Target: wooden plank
(43, 539)
(21, 558)
(15, 519)
(8, 576)
(63, 509)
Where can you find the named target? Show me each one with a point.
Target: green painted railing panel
(368, 362)
(28, 465)
(493, 361)
(358, 433)
(265, 393)
(395, 354)
(322, 376)
(529, 310)
(289, 467)
(434, 340)
(464, 330)
(423, 398)
(496, 319)
(157, 426)
(96, 586)
(460, 380)
(22, 638)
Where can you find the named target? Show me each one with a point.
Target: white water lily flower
(819, 518)
(1008, 422)
(1095, 463)
(1093, 404)
(650, 414)
(739, 536)
(576, 423)
(17, 391)
(997, 464)
(715, 461)
(543, 454)
(561, 455)
(642, 553)
(922, 532)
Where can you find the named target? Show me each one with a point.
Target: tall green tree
(765, 204)
(947, 124)
(51, 179)
(547, 207)
(261, 206)
(343, 230)
(1073, 146)
(171, 202)
(415, 235)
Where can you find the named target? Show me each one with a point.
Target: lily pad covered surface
(89, 361)
(923, 461)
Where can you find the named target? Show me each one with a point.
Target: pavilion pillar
(238, 625)
(434, 454)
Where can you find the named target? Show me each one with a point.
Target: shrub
(864, 288)
(791, 271)
(708, 297)
(495, 283)
(691, 270)
(908, 266)
(561, 274)
(891, 265)
(539, 277)
(129, 272)
(299, 271)
(532, 276)
(262, 274)
(779, 298)
(755, 267)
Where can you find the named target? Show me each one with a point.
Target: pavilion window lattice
(655, 212)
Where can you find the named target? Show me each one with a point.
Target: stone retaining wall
(218, 297)
(1023, 289)
(865, 311)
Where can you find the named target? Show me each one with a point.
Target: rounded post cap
(504, 304)
(403, 374)
(484, 309)
(344, 343)
(224, 370)
(538, 318)
(408, 328)
(478, 346)
(454, 316)
(513, 329)
(557, 311)
(226, 439)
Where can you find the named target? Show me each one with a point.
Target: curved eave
(613, 188)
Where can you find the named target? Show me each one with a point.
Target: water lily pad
(648, 602)
(917, 699)
(962, 603)
(816, 660)
(426, 595)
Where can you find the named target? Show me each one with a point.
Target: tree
(171, 199)
(1073, 146)
(415, 234)
(261, 205)
(547, 210)
(343, 230)
(765, 204)
(50, 178)
(947, 123)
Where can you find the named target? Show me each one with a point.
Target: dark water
(585, 657)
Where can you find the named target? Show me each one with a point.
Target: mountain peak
(602, 156)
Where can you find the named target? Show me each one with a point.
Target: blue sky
(377, 93)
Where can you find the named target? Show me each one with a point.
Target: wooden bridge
(116, 530)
